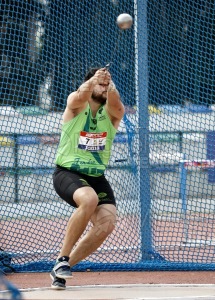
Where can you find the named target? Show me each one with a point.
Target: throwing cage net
(163, 67)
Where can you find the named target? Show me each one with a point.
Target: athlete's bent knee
(86, 198)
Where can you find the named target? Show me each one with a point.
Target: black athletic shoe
(58, 283)
(62, 270)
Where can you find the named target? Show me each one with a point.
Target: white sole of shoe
(57, 288)
(64, 277)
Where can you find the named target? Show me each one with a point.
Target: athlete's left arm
(114, 106)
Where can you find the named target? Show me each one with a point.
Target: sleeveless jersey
(85, 143)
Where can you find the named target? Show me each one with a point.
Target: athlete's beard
(99, 98)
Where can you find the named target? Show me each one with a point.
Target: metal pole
(66, 53)
(16, 177)
(142, 104)
(197, 61)
(183, 195)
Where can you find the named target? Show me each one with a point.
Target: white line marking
(102, 286)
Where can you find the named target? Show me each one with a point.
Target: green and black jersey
(85, 143)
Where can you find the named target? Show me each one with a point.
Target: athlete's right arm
(79, 98)
(77, 101)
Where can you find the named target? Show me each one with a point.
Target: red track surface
(34, 280)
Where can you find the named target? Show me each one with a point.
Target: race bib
(92, 141)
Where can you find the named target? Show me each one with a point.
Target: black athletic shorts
(66, 182)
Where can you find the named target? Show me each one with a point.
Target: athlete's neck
(94, 107)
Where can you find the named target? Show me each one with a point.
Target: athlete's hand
(102, 76)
